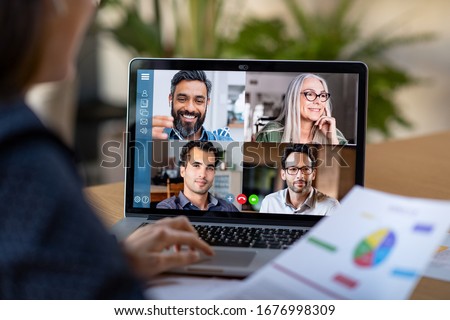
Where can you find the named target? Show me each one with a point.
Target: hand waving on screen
(159, 123)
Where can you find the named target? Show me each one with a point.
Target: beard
(301, 190)
(187, 129)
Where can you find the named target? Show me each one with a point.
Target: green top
(273, 132)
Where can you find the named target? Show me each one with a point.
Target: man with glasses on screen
(299, 171)
(189, 100)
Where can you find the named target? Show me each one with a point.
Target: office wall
(426, 105)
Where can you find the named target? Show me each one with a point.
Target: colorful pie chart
(375, 248)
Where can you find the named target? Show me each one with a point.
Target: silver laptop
(246, 201)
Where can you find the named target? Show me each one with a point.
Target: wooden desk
(418, 167)
(108, 200)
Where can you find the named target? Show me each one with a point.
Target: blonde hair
(290, 116)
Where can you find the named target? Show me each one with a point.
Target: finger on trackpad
(228, 258)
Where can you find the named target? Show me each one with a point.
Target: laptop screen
(260, 139)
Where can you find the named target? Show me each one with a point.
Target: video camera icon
(253, 199)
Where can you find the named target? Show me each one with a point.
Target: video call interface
(285, 143)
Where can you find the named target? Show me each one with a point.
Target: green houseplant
(320, 35)
(194, 22)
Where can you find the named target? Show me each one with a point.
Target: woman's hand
(327, 125)
(145, 247)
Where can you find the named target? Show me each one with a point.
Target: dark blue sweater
(52, 246)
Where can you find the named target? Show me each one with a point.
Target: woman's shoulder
(34, 161)
(27, 144)
(43, 200)
(271, 132)
(273, 125)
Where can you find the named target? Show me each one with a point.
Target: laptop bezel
(299, 66)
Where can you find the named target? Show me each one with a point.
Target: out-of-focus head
(39, 41)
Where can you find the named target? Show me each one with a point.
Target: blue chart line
(404, 273)
(425, 228)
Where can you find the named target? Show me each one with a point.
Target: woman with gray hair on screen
(305, 116)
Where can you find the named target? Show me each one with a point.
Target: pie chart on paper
(374, 249)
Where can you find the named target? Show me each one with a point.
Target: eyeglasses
(312, 96)
(304, 170)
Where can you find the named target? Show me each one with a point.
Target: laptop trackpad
(229, 258)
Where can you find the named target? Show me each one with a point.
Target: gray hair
(190, 75)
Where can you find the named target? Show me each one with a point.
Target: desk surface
(416, 167)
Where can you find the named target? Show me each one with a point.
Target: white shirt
(317, 204)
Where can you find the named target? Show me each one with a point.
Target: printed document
(375, 246)
(439, 267)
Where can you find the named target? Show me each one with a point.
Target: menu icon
(144, 103)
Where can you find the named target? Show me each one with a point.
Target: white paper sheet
(376, 246)
(178, 287)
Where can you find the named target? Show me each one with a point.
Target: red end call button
(242, 198)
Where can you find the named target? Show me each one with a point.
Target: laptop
(246, 99)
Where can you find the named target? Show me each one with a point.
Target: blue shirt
(180, 202)
(221, 134)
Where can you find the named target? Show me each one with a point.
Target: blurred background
(405, 43)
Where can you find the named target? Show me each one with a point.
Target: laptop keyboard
(248, 237)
